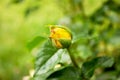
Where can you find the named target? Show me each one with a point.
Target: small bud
(60, 36)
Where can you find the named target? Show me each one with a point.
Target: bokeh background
(23, 20)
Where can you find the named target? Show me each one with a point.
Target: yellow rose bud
(60, 36)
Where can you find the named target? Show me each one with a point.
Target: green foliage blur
(95, 25)
(20, 22)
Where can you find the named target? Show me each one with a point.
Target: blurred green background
(22, 20)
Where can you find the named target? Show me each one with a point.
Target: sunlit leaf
(46, 60)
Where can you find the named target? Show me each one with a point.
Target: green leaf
(89, 66)
(46, 60)
(37, 40)
(91, 6)
(68, 73)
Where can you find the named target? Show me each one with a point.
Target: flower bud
(60, 36)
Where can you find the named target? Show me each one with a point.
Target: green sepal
(65, 43)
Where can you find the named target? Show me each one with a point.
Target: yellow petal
(56, 43)
(60, 33)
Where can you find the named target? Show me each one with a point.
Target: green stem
(72, 58)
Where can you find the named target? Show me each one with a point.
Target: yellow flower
(60, 36)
